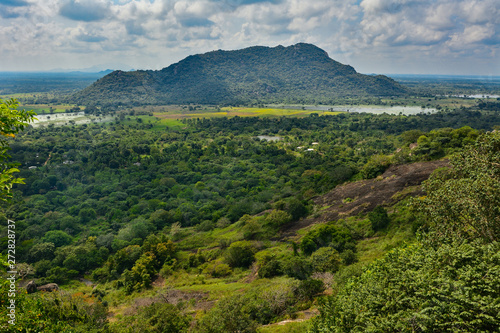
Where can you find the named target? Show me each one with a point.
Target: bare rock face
(31, 287)
(49, 287)
(361, 197)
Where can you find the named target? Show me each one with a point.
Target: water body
(405, 110)
(60, 119)
(375, 109)
(477, 96)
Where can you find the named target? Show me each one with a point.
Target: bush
(217, 269)
(325, 259)
(309, 288)
(326, 235)
(205, 226)
(155, 318)
(378, 218)
(141, 274)
(277, 218)
(231, 314)
(348, 257)
(240, 254)
(296, 267)
(375, 166)
(270, 268)
(296, 209)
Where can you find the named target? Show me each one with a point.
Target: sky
(454, 37)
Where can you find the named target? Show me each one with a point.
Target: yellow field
(237, 111)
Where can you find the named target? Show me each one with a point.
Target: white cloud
(371, 35)
(87, 11)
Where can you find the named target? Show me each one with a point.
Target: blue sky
(374, 36)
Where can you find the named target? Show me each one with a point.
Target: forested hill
(301, 73)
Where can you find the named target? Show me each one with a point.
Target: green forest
(301, 73)
(243, 224)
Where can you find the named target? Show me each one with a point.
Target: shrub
(378, 218)
(348, 257)
(296, 267)
(240, 254)
(231, 314)
(325, 259)
(217, 269)
(296, 209)
(277, 218)
(335, 236)
(307, 289)
(155, 318)
(141, 274)
(375, 166)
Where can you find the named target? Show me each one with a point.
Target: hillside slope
(301, 73)
(363, 196)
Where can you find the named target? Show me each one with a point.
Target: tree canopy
(12, 121)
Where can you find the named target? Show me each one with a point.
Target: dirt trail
(351, 199)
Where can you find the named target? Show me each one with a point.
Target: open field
(237, 111)
(48, 108)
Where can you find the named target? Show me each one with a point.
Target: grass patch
(217, 288)
(176, 113)
(286, 327)
(47, 108)
(170, 123)
(374, 248)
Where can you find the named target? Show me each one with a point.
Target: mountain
(301, 73)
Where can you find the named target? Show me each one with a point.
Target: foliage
(308, 289)
(464, 201)
(301, 73)
(12, 121)
(41, 251)
(278, 218)
(450, 281)
(375, 166)
(217, 269)
(326, 259)
(141, 275)
(115, 197)
(232, 314)
(52, 312)
(326, 235)
(378, 218)
(415, 288)
(296, 267)
(155, 318)
(240, 254)
(57, 237)
(242, 313)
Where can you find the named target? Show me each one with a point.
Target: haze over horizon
(374, 36)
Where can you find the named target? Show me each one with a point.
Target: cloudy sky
(374, 36)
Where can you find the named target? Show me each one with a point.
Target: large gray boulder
(48, 287)
(31, 287)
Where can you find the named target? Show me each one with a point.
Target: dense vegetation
(449, 281)
(301, 73)
(205, 207)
